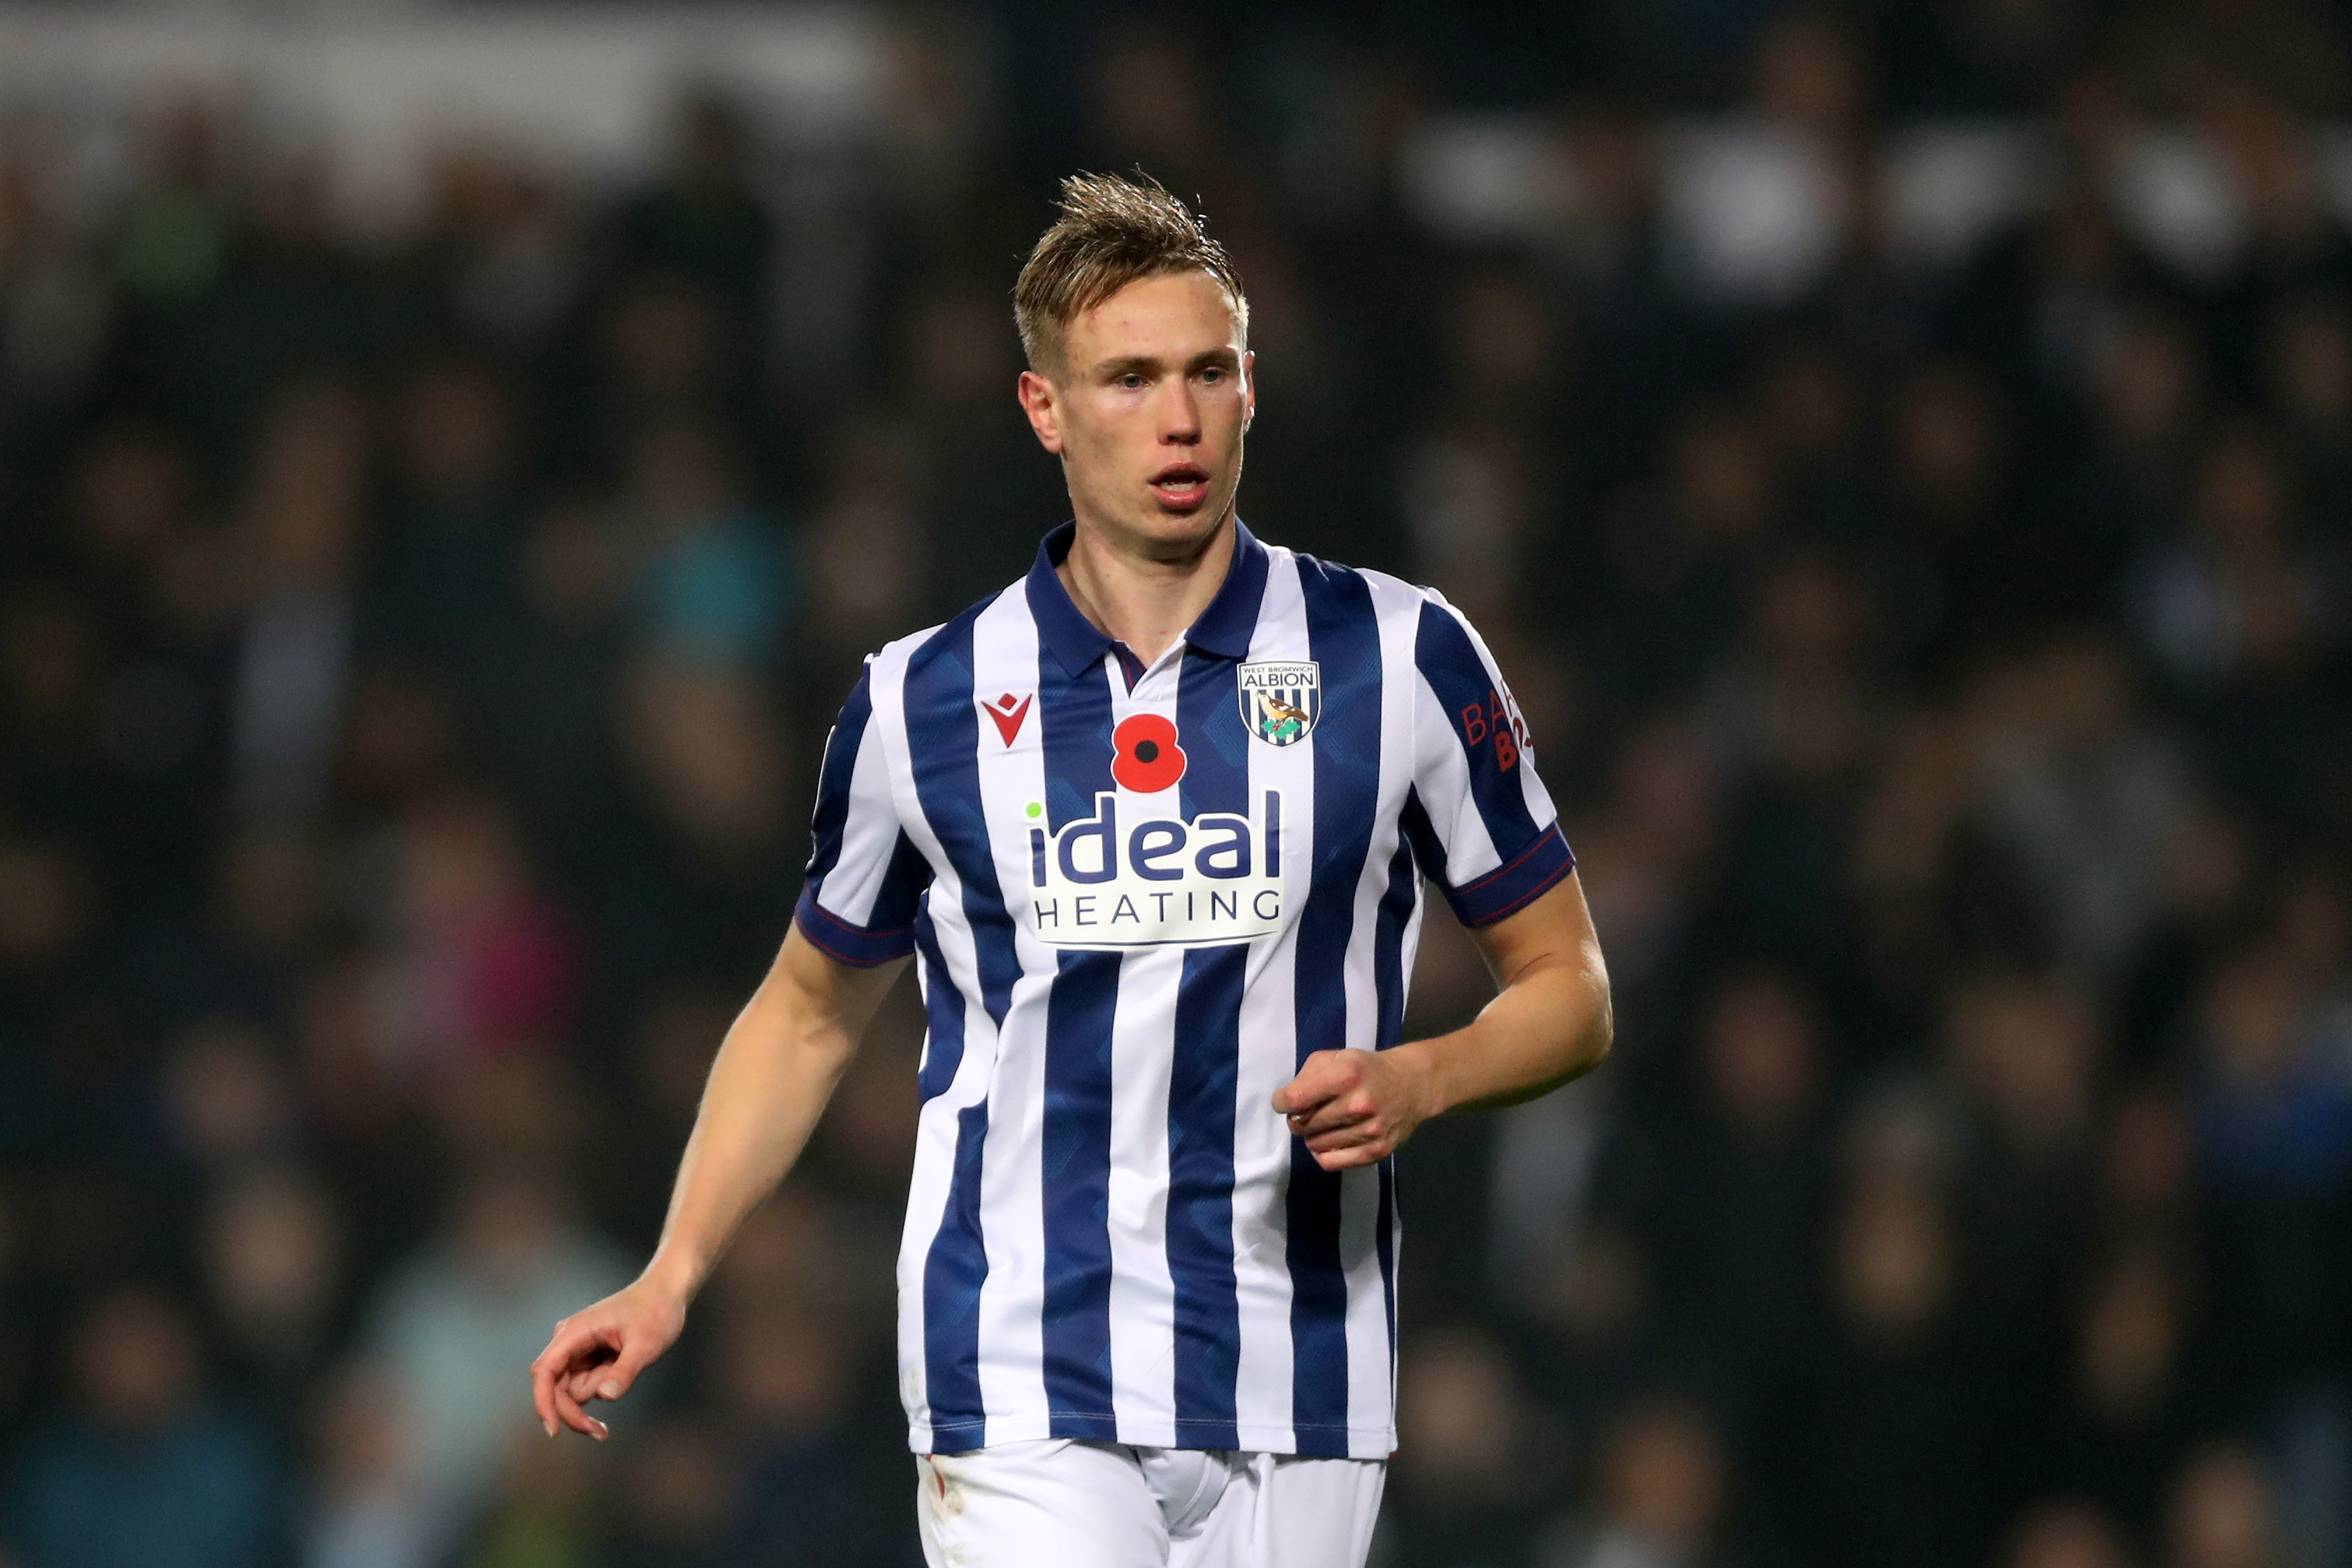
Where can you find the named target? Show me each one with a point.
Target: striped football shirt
(1141, 895)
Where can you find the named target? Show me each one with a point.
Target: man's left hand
(1355, 1107)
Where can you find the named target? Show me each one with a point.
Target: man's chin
(1183, 528)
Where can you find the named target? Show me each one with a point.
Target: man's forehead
(1178, 312)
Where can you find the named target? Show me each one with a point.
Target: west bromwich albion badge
(1281, 701)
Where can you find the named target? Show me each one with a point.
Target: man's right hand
(596, 1353)
(773, 1075)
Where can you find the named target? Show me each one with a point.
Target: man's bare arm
(773, 1074)
(1549, 1024)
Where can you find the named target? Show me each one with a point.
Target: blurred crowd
(416, 644)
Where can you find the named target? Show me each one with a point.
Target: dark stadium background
(452, 460)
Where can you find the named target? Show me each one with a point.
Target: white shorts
(1064, 1503)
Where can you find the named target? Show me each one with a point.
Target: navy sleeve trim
(836, 774)
(1517, 883)
(855, 946)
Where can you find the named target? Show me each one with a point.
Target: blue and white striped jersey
(1142, 896)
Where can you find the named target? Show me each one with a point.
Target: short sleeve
(1479, 820)
(865, 877)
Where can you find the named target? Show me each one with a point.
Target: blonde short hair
(1112, 232)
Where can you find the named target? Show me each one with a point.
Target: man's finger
(622, 1375)
(1326, 1074)
(542, 1396)
(1309, 1089)
(1298, 1095)
(576, 1418)
(591, 1375)
(551, 1366)
(571, 1339)
(1342, 1111)
(1366, 1130)
(1370, 1154)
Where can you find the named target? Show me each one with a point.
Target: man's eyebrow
(1147, 364)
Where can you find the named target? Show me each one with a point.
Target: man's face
(1146, 410)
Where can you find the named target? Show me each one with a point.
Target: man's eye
(1212, 375)
(1131, 381)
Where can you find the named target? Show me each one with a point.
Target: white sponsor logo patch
(1123, 879)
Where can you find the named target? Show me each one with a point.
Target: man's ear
(1039, 403)
(1249, 388)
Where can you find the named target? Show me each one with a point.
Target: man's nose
(1179, 415)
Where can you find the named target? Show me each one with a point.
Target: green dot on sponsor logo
(1036, 809)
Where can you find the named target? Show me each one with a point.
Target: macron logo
(1009, 712)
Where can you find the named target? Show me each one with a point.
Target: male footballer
(1154, 822)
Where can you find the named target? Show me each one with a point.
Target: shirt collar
(1224, 628)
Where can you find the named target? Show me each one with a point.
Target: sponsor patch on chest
(1126, 878)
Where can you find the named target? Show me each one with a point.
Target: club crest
(1281, 701)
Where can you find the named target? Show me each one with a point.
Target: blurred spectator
(674, 1500)
(2087, 800)
(1938, 570)
(2276, 1124)
(2148, 1168)
(543, 1509)
(1679, 555)
(446, 578)
(665, 346)
(2221, 1512)
(867, 558)
(275, 1266)
(50, 661)
(800, 1493)
(2130, 1405)
(302, 533)
(1885, 1456)
(2066, 1535)
(56, 312)
(452, 1325)
(368, 1508)
(2238, 592)
(226, 1101)
(707, 754)
(545, 704)
(2309, 362)
(1473, 1462)
(948, 375)
(263, 923)
(2277, 1127)
(484, 966)
(1747, 1182)
(172, 238)
(2025, 1055)
(1794, 711)
(714, 589)
(1662, 1496)
(705, 218)
(148, 1463)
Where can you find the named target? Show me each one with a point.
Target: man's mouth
(1182, 485)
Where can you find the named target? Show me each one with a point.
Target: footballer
(1154, 824)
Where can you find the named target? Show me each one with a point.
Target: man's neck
(1143, 601)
